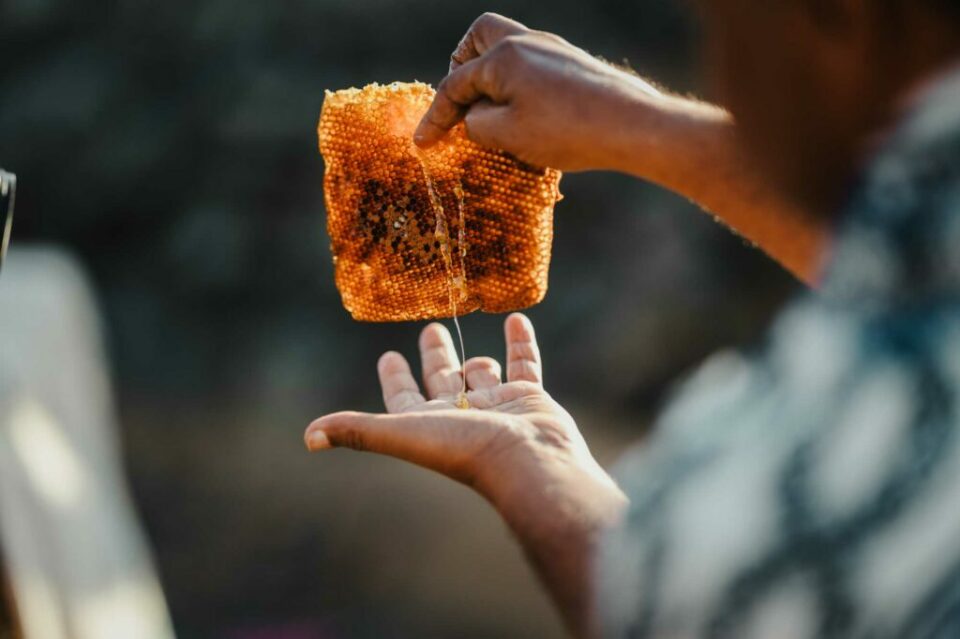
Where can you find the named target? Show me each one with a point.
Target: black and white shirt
(812, 488)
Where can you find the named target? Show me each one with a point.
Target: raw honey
(395, 258)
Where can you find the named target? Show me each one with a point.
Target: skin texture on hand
(552, 104)
(534, 95)
(516, 446)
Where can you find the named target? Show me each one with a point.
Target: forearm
(561, 541)
(691, 148)
(552, 104)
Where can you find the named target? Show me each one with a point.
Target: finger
(400, 390)
(482, 372)
(485, 32)
(455, 94)
(487, 123)
(444, 441)
(501, 396)
(523, 354)
(441, 367)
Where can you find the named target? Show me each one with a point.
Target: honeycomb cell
(426, 234)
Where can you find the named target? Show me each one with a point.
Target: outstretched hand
(516, 446)
(472, 445)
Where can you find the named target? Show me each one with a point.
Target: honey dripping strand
(462, 401)
(441, 232)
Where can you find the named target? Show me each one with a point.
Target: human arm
(516, 447)
(552, 104)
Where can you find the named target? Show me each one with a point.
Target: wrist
(559, 522)
(662, 137)
(568, 501)
(628, 117)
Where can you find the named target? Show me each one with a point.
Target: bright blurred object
(8, 192)
(77, 563)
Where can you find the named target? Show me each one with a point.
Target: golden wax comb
(425, 234)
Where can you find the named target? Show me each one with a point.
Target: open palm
(504, 423)
(515, 446)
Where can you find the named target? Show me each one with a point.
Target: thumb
(443, 441)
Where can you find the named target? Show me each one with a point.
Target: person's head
(810, 82)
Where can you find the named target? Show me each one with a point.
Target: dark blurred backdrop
(171, 145)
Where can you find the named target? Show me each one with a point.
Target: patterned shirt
(812, 488)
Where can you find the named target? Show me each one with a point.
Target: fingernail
(318, 440)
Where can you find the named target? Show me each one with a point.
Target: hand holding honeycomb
(425, 234)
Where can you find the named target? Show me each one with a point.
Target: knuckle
(354, 440)
(467, 44)
(513, 53)
(481, 361)
(492, 75)
(433, 118)
(482, 369)
(512, 46)
(443, 90)
(523, 350)
(552, 37)
(447, 101)
(344, 437)
(484, 20)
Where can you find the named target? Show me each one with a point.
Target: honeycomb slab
(426, 234)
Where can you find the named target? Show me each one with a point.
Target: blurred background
(171, 147)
